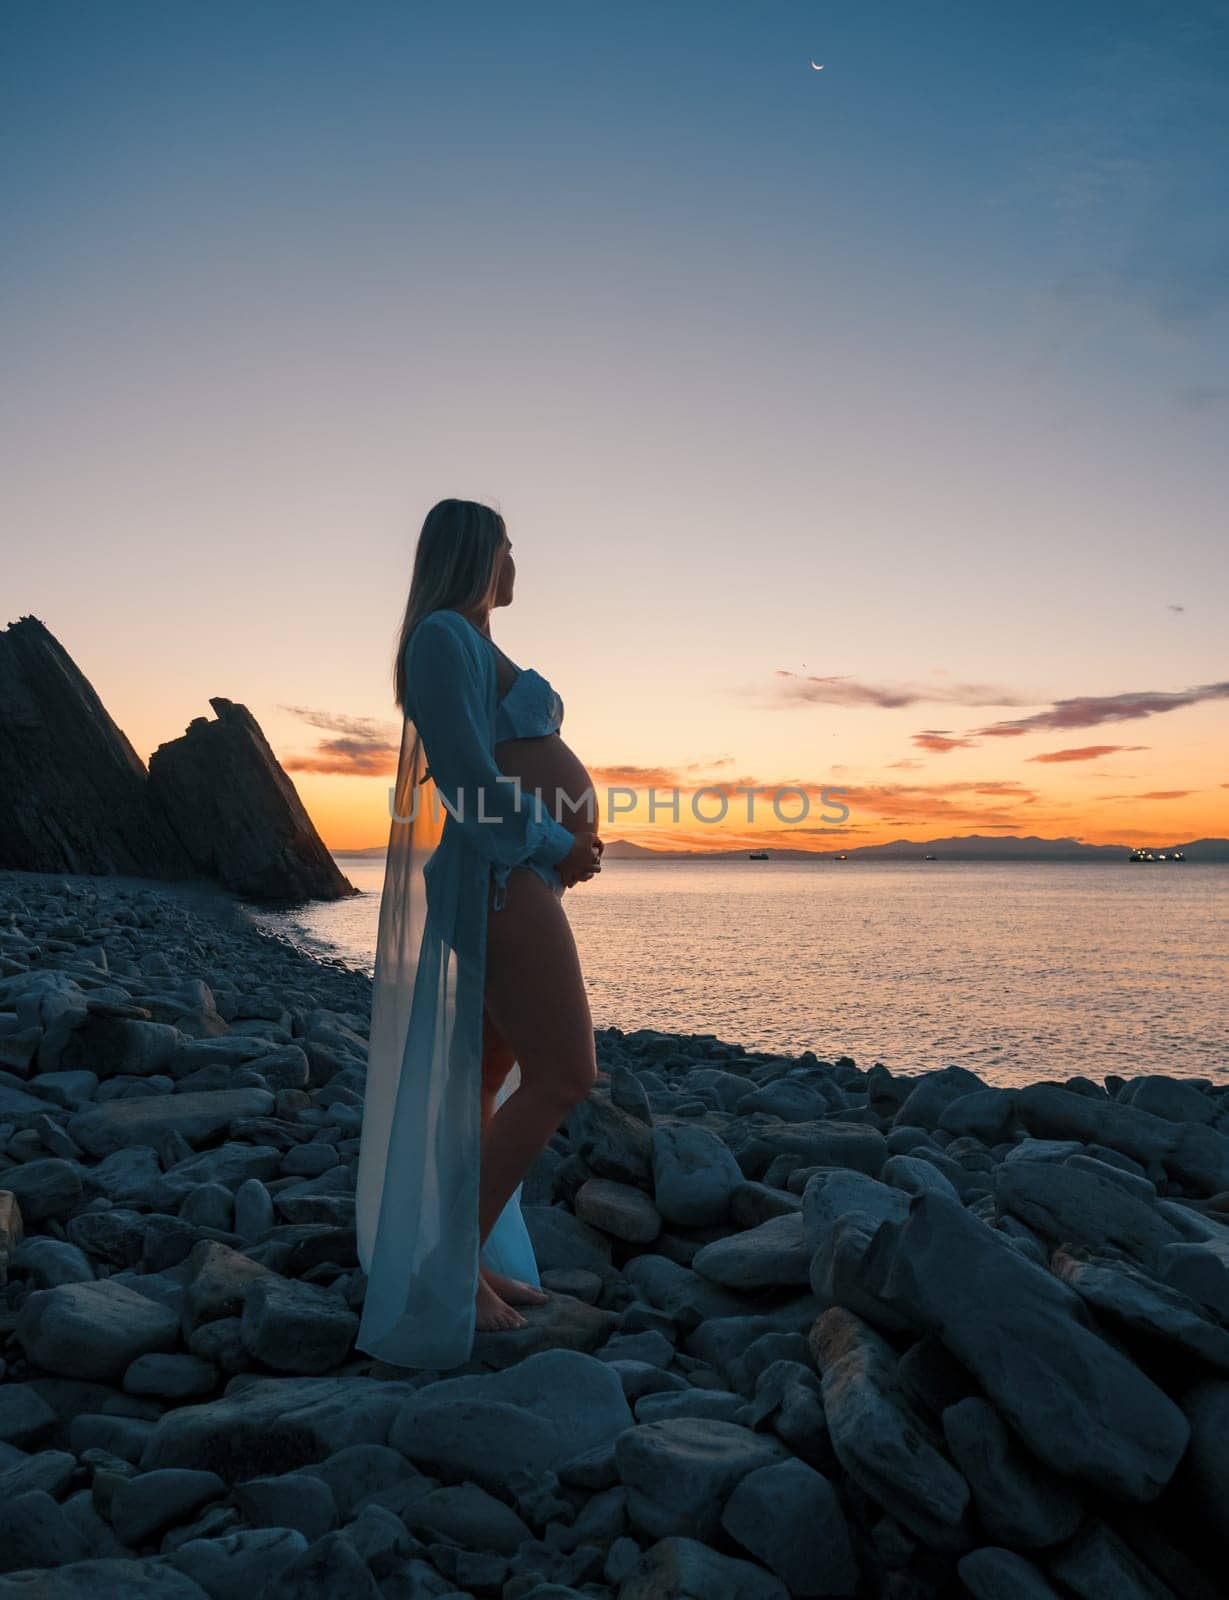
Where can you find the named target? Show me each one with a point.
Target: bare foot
(515, 1291)
(492, 1314)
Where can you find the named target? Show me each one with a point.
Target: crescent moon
(818, 68)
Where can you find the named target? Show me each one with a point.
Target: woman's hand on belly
(582, 860)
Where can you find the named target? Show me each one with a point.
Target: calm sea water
(1016, 971)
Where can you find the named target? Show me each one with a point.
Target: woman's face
(505, 575)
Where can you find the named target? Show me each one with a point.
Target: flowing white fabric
(417, 1186)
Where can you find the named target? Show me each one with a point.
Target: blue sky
(909, 369)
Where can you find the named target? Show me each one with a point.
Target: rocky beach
(814, 1329)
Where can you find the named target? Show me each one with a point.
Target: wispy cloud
(1178, 609)
(1152, 794)
(1090, 711)
(1084, 752)
(364, 747)
(798, 689)
(938, 741)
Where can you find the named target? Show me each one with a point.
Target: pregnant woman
(481, 1037)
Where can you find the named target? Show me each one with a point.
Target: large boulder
(93, 1330)
(274, 1425)
(879, 1438)
(196, 1117)
(548, 1408)
(1078, 1403)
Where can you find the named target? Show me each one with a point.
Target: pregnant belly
(546, 765)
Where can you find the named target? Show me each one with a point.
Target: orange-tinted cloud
(1089, 711)
(1085, 752)
(365, 748)
(1152, 794)
(940, 740)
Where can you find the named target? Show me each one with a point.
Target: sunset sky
(864, 427)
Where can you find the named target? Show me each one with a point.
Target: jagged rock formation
(236, 813)
(75, 796)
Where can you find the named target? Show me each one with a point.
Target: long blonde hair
(454, 567)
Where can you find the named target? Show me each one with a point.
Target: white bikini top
(530, 709)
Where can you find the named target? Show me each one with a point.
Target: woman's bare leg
(535, 996)
(497, 1063)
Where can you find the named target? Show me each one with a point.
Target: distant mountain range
(967, 847)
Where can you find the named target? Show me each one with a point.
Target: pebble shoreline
(812, 1330)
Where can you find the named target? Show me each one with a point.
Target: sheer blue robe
(456, 820)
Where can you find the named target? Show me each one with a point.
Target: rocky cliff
(75, 796)
(237, 815)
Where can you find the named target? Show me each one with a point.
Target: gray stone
(148, 1503)
(219, 1283)
(686, 1297)
(789, 1518)
(618, 1209)
(109, 1046)
(612, 1143)
(791, 1102)
(831, 1195)
(1019, 1505)
(994, 1574)
(838, 1272)
(1097, 1563)
(330, 1569)
(238, 1564)
(915, 1176)
(684, 1569)
(536, 1415)
(50, 1188)
(1171, 1098)
(267, 1425)
(721, 1405)
(878, 1437)
(25, 1417)
(52, 1261)
(34, 1532)
(986, 1114)
(229, 1165)
(115, 1236)
(1207, 1406)
(1124, 1294)
(66, 1088)
(679, 1473)
(562, 1241)
(195, 1117)
(49, 1470)
(103, 1580)
(1200, 1270)
(253, 1209)
(295, 1500)
(93, 1330)
(1197, 1156)
(826, 1143)
(1068, 1206)
(360, 1472)
(170, 1377)
(1076, 1402)
(209, 1205)
(381, 1540)
(296, 1327)
(776, 1254)
(133, 1173)
(695, 1175)
(934, 1093)
(468, 1515)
